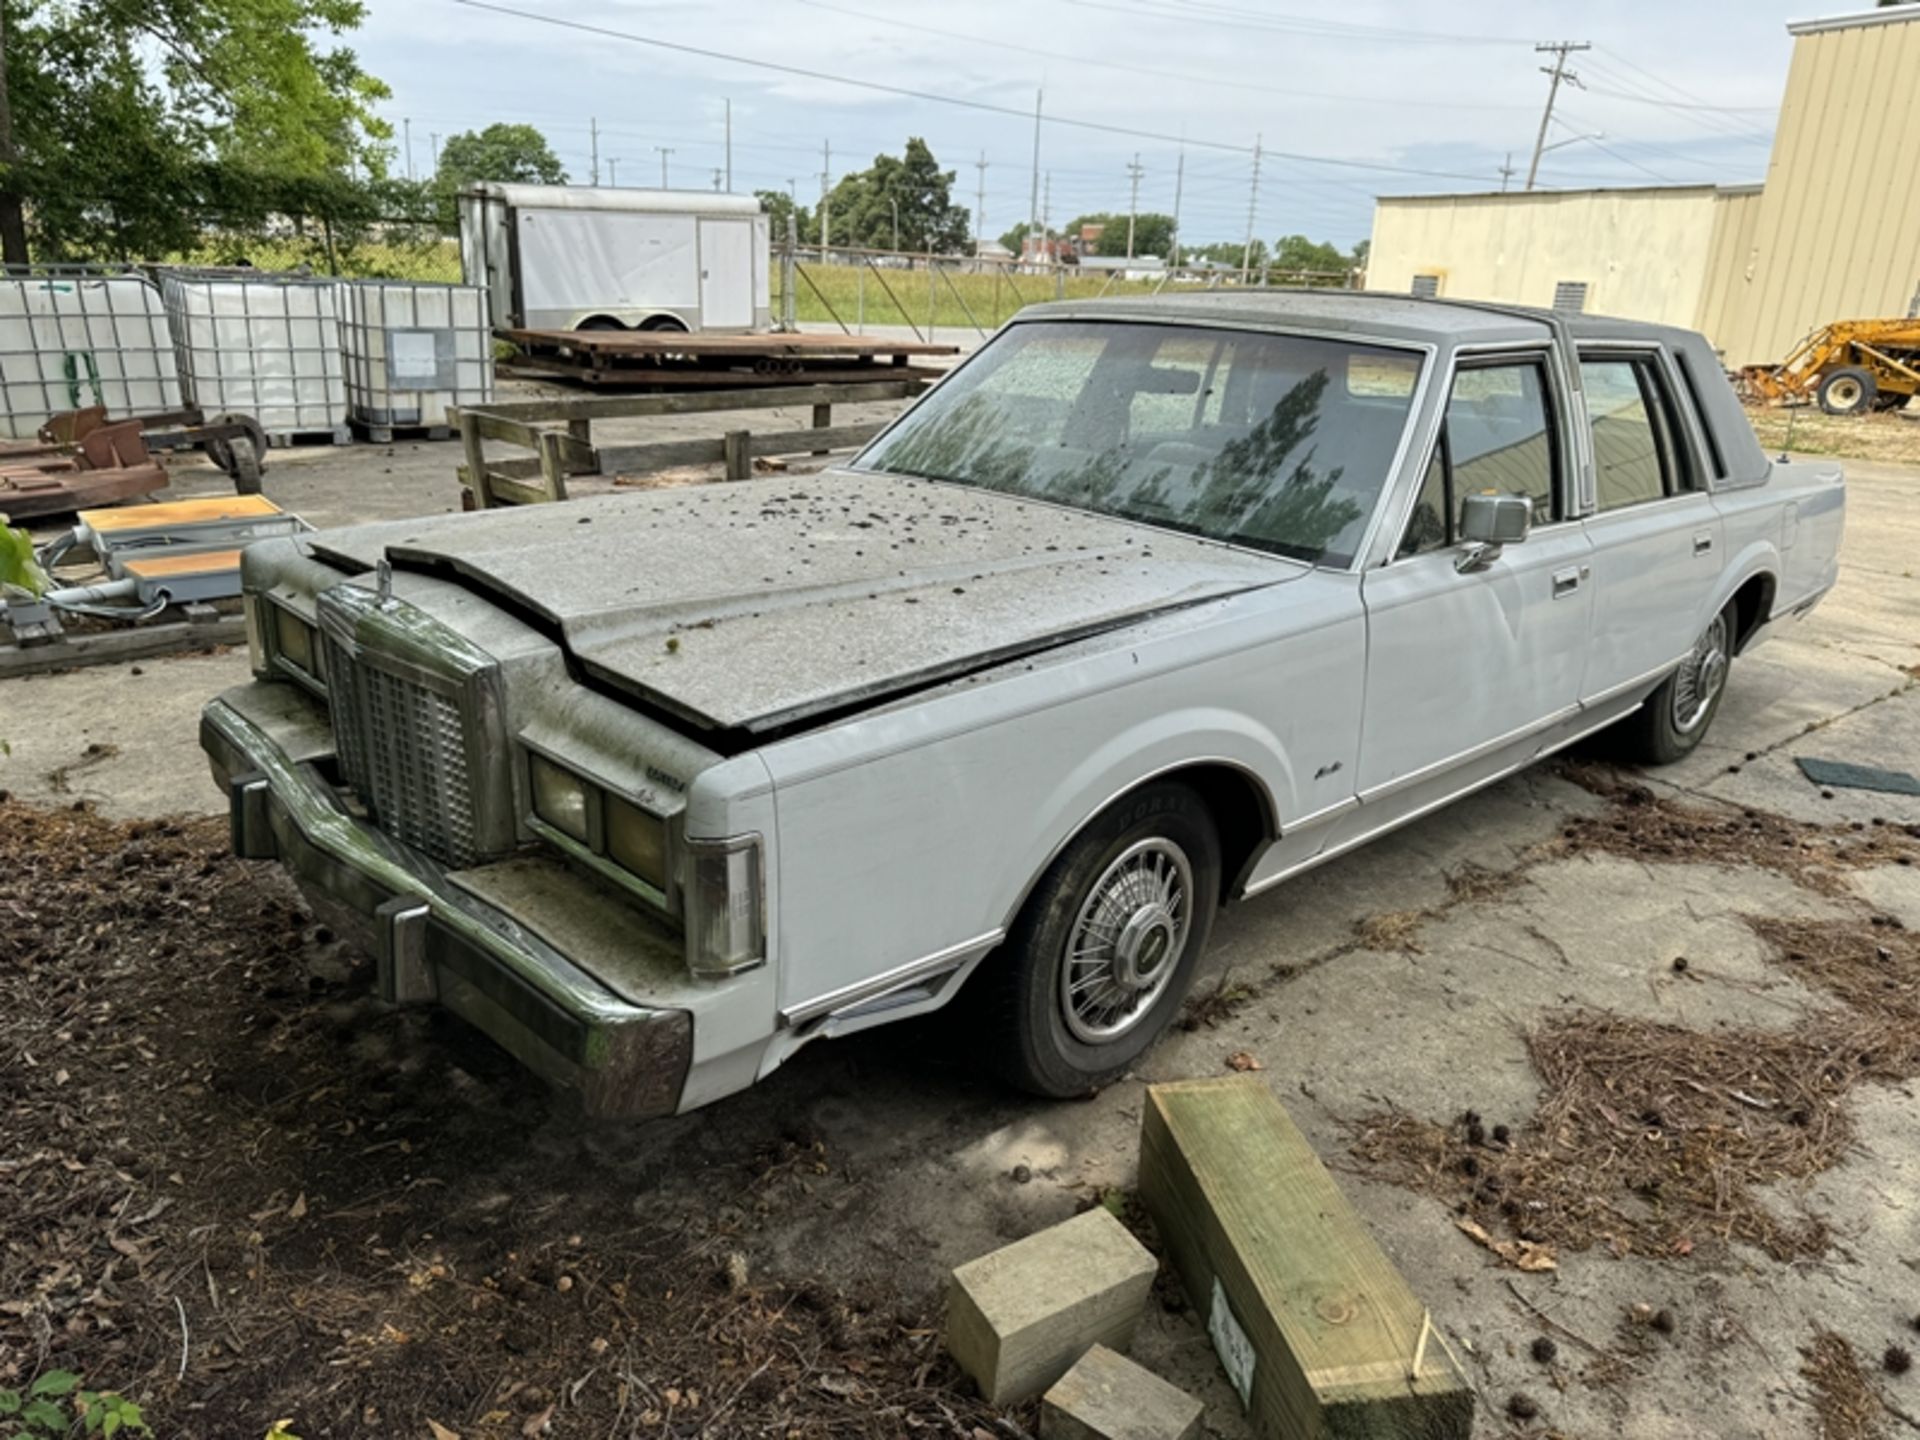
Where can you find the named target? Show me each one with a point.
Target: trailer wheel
(244, 466)
(663, 322)
(1849, 390)
(599, 322)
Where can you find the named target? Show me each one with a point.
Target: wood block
(1108, 1397)
(1019, 1317)
(1318, 1332)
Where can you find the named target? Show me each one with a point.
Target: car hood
(754, 605)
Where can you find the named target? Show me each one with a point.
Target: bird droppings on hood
(793, 594)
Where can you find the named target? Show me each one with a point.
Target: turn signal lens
(726, 929)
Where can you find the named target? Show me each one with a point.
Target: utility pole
(593, 127)
(718, 176)
(406, 129)
(433, 142)
(793, 190)
(1179, 180)
(1253, 201)
(13, 211)
(980, 205)
(826, 209)
(729, 148)
(613, 171)
(1559, 49)
(1033, 203)
(1134, 172)
(1507, 172)
(664, 153)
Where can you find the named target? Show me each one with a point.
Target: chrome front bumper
(433, 941)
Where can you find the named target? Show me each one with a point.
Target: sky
(1383, 99)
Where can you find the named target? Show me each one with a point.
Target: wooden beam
(633, 407)
(1018, 1318)
(1108, 1397)
(1318, 1332)
(665, 454)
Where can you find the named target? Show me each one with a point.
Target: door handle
(1566, 581)
(1703, 542)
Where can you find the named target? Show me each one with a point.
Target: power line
(983, 106)
(1560, 75)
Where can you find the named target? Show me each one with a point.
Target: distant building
(1833, 235)
(1140, 267)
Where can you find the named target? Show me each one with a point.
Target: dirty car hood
(753, 605)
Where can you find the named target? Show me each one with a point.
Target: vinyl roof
(1364, 313)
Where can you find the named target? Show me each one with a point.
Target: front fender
(1157, 746)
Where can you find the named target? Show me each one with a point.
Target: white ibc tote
(75, 337)
(265, 346)
(413, 350)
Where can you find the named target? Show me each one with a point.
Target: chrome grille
(403, 748)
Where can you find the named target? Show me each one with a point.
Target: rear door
(1656, 534)
(1465, 671)
(726, 274)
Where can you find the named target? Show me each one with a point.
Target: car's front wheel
(1675, 717)
(1107, 943)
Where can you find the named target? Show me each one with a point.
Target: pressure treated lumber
(1318, 1332)
(1019, 1318)
(1108, 1397)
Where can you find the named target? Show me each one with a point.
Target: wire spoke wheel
(1126, 940)
(1701, 676)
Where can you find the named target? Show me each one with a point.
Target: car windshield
(1278, 442)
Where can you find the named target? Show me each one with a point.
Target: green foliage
(1228, 252)
(913, 190)
(131, 119)
(779, 205)
(39, 1416)
(1015, 238)
(1152, 233)
(19, 568)
(510, 154)
(1296, 252)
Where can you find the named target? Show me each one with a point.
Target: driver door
(1466, 671)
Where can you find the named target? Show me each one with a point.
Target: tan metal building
(1834, 234)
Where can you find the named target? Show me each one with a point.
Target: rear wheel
(1849, 390)
(599, 322)
(1106, 946)
(1672, 722)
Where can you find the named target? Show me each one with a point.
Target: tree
(1152, 233)
(511, 154)
(779, 205)
(898, 202)
(1016, 238)
(1297, 253)
(1361, 250)
(122, 124)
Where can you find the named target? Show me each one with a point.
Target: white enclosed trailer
(573, 257)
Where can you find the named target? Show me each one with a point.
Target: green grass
(857, 294)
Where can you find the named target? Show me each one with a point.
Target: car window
(1274, 441)
(1430, 526)
(1500, 436)
(1636, 449)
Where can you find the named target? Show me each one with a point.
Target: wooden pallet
(387, 434)
(286, 439)
(202, 628)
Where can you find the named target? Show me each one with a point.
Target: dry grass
(1844, 1400)
(1893, 437)
(1642, 826)
(1656, 1139)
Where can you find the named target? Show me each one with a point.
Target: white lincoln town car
(1145, 608)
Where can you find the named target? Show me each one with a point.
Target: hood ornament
(383, 582)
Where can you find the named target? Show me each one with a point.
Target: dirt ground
(1655, 1030)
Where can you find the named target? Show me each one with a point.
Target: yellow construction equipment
(1847, 368)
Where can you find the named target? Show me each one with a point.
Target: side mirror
(1488, 523)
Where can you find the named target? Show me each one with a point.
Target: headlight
(725, 924)
(561, 799)
(294, 641)
(637, 841)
